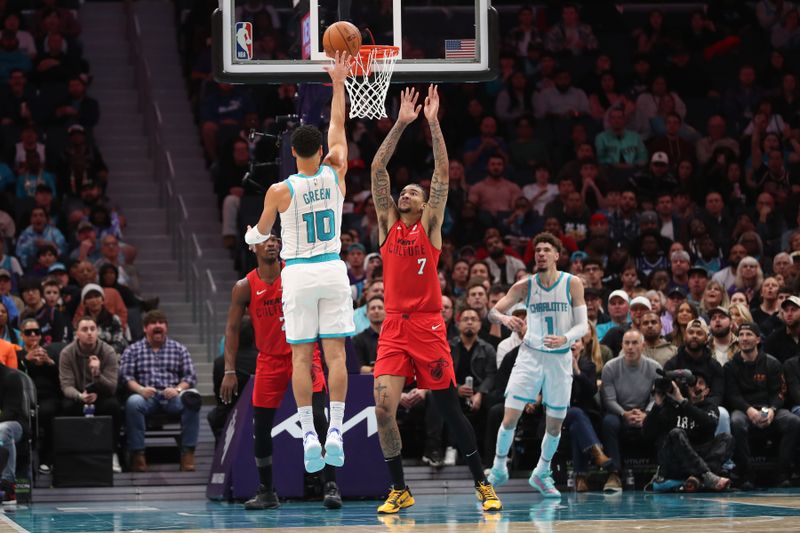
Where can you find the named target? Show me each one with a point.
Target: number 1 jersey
(311, 226)
(411, 281)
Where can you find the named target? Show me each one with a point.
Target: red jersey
(411, 281)
(266, 313)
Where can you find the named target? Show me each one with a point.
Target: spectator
(366, 342)
(109, 327)
(625, 222)
(222, 108)
(717, 142)
(46, 256)
(757, 405)
(158, 371)
(656, 347)
(749, 278)
(727, 276)
(529, 156)
(11, 56)
(51, 18)
(14, 427)
(770, 13)
(77, 108)
(7, 332)
(766, 314)
(356, 267)
(54, 65)
(638, 307)
(11, 302)
(478, 151)
(656, 180)
(495, 194)
(371, 290)
(741, 99)
(570, 35)
(698, 279)
(783, 343)
(60, 329)
(88, 370)
(722, 342)
(618, 147)
(618, 307)
(562, 101)
(672, 143)
(31, 174)
(84, 273)
(52, 324)
(39, 232)
(514, 101)
(515, 339)
(502, 267)
(608, 98)
(627, 382)
(648, 104)
(524, 34)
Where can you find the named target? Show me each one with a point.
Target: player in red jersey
(261, 292)
(413, 339)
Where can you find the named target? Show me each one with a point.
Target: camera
(683, 378)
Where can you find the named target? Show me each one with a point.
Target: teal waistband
(554, 352)
(315, 259)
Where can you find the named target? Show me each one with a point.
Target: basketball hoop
(368, 81)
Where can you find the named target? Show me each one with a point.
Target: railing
(199, 287)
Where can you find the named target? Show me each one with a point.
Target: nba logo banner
(244, 40)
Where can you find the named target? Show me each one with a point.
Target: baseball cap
(641, 300)
(791, 300)
(697, 269)
(591, 292)
(91, 287)
(717, 310)
(698, 323)
(578, 255)
(519, 308)
(751, 326)
(56, 267)
(598, 218)
(648, 217)
(5, 273)
(660, 157)
(795, 255)
(75, 128)
(676, 291)
(372, 256)
(84, 224)
(356, 246)
(621, 294)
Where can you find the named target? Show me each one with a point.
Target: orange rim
(361, 66)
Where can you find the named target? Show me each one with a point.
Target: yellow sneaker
(487, 497)
(397, 499)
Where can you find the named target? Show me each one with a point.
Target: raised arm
(337, 138)
(381, 187)
(276, 199)
(240, 297)
(440, 182)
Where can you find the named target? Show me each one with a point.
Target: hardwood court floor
(773, 512)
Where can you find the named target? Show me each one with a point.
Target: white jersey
(549, 312)
(311, 226)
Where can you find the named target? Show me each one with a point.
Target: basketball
(343, 37)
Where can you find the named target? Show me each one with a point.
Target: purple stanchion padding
(364, 474)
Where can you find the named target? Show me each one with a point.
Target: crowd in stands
(662, 148)
(72, 319)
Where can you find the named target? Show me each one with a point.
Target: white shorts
(536, 371)
(317, 302)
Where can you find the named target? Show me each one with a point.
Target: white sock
(306, 419)
(337, 415)
(549, 447)
(504, 439)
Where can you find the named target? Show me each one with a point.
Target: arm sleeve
(580, 319)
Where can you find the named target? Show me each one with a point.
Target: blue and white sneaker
(498, 474)
(334, 448)
(544, 484)
(312, 453)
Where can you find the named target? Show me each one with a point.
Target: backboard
(281, 40)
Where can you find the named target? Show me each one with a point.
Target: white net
(368, 82)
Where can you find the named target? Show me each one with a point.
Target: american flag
(459, 48)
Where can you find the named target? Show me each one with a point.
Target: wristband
(253, 236)
(227, 372)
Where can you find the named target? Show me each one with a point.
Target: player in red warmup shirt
(413, 340)
(261, 292)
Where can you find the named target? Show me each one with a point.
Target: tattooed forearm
(440, 180)
(381, 186)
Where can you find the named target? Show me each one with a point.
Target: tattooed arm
(381, 187)
(440, 182)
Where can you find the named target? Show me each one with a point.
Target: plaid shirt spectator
(160, 369)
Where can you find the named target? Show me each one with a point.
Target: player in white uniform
(317, 302)
(557, 317)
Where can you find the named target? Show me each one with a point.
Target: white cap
(519, 307)
(641, 300)
(89, 287)
(622, 294)
(660, 157)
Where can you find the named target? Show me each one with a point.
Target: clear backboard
(439, 40)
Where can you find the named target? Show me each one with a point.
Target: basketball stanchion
(368, 81)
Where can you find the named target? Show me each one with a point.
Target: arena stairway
(123, 141)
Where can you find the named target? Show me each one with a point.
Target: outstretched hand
(409, 110)
(432, 103)
(340, 68)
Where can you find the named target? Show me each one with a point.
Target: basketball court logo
(244, 40)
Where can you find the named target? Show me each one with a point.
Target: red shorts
(415, 346)
(273, 375)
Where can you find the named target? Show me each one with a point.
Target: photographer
(754, 391)
(695, 355)
(683, 429)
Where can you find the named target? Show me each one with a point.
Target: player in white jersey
(557, 317)
(317, 303)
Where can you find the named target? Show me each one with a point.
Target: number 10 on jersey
(320, 226)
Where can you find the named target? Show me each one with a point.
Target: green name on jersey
(317, 195)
